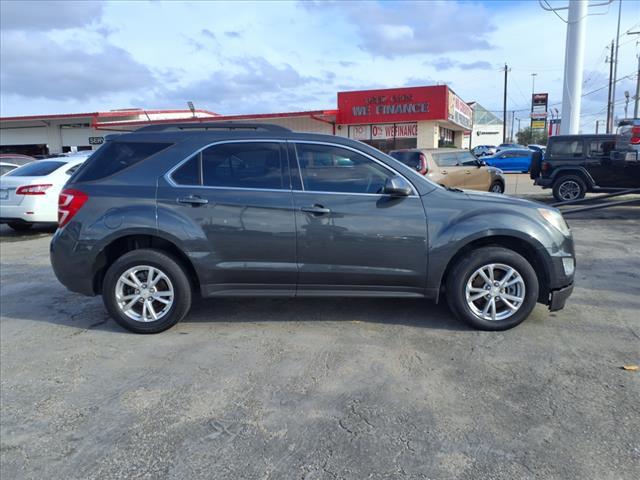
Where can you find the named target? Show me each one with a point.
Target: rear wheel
(20, 226)
(492, 288)
(146, 291)
(497, 187)
(569, 187)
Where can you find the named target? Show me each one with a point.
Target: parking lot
(317, 388)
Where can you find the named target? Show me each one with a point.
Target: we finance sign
(392, 105)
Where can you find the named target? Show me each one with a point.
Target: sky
(260, 57)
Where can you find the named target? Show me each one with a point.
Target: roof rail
(213, 126)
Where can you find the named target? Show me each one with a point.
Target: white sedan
(29, 194)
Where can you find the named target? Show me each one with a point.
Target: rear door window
(115, 156)
(36, 169)
(449, 159)
(467, 159)
(566, 148)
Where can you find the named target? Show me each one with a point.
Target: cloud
(479, 65)
(396, 29)
(255, 85)
(47, 15)
(347, 64)
(445, 63)
(60, 73)
(233, 34)
(208, 33)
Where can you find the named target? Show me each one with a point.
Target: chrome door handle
(316, 210)
(192, 200)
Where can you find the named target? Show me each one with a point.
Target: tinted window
(113, 157)
(449, 159)
(410, 159)
(325, 168)
(36, 169)
(571, 148)
(5, 168)
(188, 173)
(601, 148)
(243, 165)
(466, 159)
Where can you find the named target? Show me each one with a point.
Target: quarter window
(326, 168)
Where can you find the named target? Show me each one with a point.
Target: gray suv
(159, 215)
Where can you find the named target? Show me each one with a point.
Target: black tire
(497, 187)
(19, 226)
(569, 183)
(167, 265)
(465, 268)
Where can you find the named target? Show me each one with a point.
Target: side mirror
(481, 163)
(397, 187)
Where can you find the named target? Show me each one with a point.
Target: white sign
(360, 132)
(399, 130)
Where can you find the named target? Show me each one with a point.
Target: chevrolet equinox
(225, 209)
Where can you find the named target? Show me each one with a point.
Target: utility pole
(573, 67)
(533, 90)
(513, 122)
(609, 102)
(626, 103)
(597, 125)
(615, 68)
(504, 106)
(636, 106)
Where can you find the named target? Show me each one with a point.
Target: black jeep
(576, 164)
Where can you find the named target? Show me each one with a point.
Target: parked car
(483, 150)
(576, 164)
(29, 194)
(16, 158)
(511, 160)
(628, 135)
(538, 148)
(452, 168)
(257, 210)
(508, 146)
(6, 167)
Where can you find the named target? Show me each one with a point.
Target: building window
(446, 137)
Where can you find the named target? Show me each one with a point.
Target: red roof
(112, 113)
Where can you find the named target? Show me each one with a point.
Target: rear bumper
(543, 182)
(72, 266)
(26, 213)
(559, 297)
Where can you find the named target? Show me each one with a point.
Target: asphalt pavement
(324, 388)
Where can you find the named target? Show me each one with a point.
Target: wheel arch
(534, 254)
(120, 245)
(577, 171)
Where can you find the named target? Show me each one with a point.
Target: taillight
(635, 135)
(69, 202)
(40, 189)
(545, 167)
(423, 164)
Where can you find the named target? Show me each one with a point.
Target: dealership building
(424, 117)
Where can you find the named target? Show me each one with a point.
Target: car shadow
(7, 234)
(82, 313)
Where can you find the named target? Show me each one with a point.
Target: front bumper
(557, 298)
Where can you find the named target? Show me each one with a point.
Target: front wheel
(497, 187)
(146, 291)
(492, 288)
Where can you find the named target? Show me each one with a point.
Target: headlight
(556, 219)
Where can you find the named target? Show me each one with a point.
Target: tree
(527, 136)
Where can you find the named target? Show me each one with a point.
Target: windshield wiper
(451, 189)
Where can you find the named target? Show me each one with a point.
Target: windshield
(39, 168)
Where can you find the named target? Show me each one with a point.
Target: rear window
(114, 157)
(566, 148)
(410, 159)
(36, 169)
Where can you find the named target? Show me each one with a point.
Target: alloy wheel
(495, 292)
(569, 190)
(144, 293)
